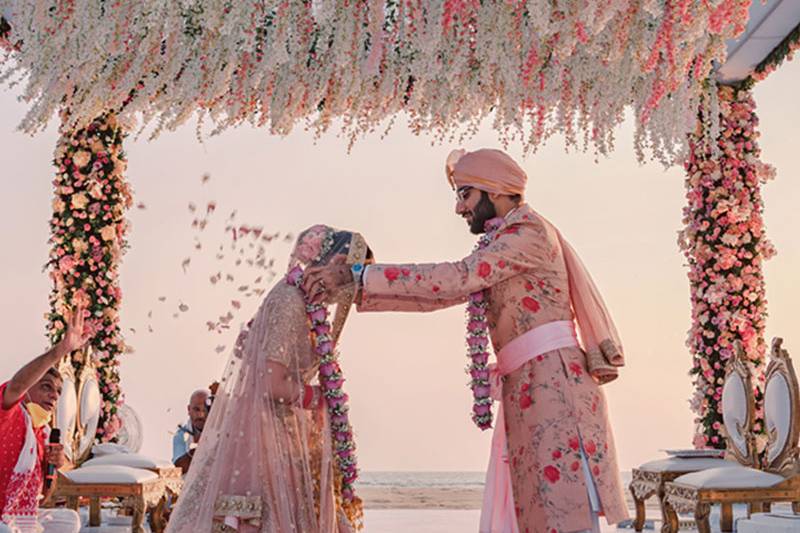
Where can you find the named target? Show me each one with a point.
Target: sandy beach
(451, 498)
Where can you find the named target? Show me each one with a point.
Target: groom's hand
(322, 281)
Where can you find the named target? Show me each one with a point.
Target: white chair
(778, 482)
(140, 482)
(738, 412)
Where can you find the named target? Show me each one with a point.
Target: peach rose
(81, 158)
(79, 201)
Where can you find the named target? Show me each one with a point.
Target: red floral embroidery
(501, 264)
(574, 443)
(528, 286)
(575, 466)
(556, 455)
(576, 369)
(525, 401)
(391, 273)
(531, 304)
(419, 277)
(590, 447)
(484, 269)
(406, 272)
(596, 470)
(551, 473)
(435, 288)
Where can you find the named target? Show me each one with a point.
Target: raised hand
(76, 335)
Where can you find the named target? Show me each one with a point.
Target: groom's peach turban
(485, 169)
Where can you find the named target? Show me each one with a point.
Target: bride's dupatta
(264, 463)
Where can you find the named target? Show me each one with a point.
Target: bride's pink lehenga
(264, 463)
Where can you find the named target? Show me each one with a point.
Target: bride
(277, 453)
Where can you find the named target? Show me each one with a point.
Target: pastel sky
(410, 402)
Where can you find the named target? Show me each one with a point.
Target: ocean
(432, 479)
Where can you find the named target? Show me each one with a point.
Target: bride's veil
(264, 465)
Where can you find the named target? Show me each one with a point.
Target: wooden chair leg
(669, 517)
(72, 502)
(139, 511)
(157, 521)
(701, 513)
(638, 523)
(753, 507)
(726, 518)
(94, 511)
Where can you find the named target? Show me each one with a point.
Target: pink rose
(484, 270)
(590, 447)
(530, 304)
(551, 473)
(391, 273)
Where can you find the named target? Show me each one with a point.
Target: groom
(553, 465)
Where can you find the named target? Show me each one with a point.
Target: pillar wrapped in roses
(725, 245)
(87, 241)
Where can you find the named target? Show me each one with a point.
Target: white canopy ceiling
(769, 24)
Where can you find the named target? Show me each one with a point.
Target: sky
(405, 372)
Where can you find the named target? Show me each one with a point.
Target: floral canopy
(537, 67)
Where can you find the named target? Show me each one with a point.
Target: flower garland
(87, 241)
(538, 67)
(725, 245)
(331, 380)
(478, 341)
(783, 52)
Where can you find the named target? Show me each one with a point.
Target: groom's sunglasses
(462, 193)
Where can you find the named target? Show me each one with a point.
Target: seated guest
(28, 401)
(188, 435)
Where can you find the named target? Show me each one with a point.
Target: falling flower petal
(192, 207)
(141, 205)
(236, 304)
(205, 178)
(162, 298)
(185, 264)
(220, 348)
(183, 307)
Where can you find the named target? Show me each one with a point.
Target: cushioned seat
(133, 460)
(108, 448)
(109, 474)
(730, 478)
(683, 464)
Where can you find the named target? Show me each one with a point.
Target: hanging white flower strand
(539, 67)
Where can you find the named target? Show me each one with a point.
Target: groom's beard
(484, 211)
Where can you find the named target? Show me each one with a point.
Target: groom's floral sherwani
(551, 403)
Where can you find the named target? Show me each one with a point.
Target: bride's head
(320, 244)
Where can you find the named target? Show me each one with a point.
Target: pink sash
(497, 513)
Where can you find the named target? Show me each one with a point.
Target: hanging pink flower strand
(536, 67)
(478, 341)
(331, 379)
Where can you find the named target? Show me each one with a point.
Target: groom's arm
(449, 283)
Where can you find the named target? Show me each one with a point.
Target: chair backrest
(90, 405)
(738, 409)
(781, 410)
(66, 412)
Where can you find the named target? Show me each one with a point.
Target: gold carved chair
(778, 482)
(738, 412)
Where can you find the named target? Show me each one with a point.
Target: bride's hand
(320, 282)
